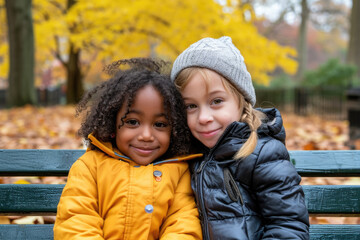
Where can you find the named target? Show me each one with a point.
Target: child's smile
(143, 132)
(209, 134)
(144, 151)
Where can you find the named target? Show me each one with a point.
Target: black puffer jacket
(258, 197)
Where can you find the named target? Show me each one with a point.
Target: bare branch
(57, 52)
(278, 21)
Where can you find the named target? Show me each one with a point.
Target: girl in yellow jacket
(128, 184)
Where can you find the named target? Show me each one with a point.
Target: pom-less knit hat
(221, 56)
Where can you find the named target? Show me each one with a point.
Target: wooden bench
(42, 199)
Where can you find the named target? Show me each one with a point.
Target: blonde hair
(249, 115)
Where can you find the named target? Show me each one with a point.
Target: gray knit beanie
(221, 56)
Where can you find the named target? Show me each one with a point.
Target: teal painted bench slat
(339, 163)
(29, 199)
(45, 232)
(50, 162)
(31, 162)
(334, 232)
(26, 232)
(42, 199)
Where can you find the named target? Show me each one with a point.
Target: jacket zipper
(201, 193)
(204, 213)
(200, 182)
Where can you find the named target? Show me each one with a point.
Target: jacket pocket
(231, 187)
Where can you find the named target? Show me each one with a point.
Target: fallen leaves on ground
(56, 127)
(39, 128)
(315, 133)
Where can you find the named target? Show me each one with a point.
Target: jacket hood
(108, 149)
(271, 126)
(237, 133)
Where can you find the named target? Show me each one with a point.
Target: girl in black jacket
(245, 187)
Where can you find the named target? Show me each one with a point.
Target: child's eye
(161, 124)
(132, 122)
(190, 106)
(217, 101)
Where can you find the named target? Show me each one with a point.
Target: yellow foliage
(108, 30)
(5, 64)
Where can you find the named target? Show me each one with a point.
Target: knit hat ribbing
(221, 56)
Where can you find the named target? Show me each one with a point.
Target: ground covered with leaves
(56, 127)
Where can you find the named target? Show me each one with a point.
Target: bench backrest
(42, 199)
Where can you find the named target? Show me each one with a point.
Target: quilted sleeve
(279, 194)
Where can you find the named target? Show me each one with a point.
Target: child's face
(210, 107)
(145, 135)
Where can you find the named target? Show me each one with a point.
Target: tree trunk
(302, 44)
(353, 55)
(74, 86)
(21, 88)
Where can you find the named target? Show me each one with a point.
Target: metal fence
(326, 102)
(45, 97)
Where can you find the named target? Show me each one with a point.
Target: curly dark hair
(103, 102)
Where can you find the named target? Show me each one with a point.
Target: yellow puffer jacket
(108, 196)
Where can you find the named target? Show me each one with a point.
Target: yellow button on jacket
(108, 196)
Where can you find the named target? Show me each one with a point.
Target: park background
(303, 56)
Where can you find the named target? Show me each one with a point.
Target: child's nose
(205, 116)
(146, 134)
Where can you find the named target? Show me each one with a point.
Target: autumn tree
(74, 84)
(102, 31)
(327, 17)
(52, 36)
(354, 49)
(302, 42)
(21, 89)
(109, 30)
(4, 48)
